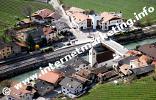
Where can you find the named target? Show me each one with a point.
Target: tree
(6, 83)
(30, 41)
(27, 11)
(91, 12)
(10, 32)
(149, 61)
(43, 42)
(138, 24)
(148, 21)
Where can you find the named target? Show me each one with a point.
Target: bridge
(116, 47)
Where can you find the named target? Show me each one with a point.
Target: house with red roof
(47, 82)
(109, 20)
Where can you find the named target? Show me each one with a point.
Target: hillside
(10, 9)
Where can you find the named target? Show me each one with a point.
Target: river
(129, 46)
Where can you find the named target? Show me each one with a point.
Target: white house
(84, 21)
(71, 86)
(109, 20)
(78, 63)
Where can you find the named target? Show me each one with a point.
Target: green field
(9, 9)
(127, 7)
(143, 89)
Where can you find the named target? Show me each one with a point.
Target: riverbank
(131, 45)
(137, 35)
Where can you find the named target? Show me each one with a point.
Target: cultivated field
(143, 89)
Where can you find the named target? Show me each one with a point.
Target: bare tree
(27, 11)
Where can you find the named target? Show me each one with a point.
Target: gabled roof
(70, 83)
(75, 10)
(149, 50)
(54, 15)
(98, 70)
(76, 62)
(41, 86)
(143, 70)
(42, 13)
(51, 77)
(127, 60)
(108, 16)
(47, 30)
(20, 92)
(79, 17)
(66, 70)
(84, 73)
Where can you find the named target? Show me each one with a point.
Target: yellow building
(5, 50)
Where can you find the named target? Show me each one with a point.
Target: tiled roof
(20, 92)
(76, 62)
(47, 30)
(54, 15)
(70, 83)
(149, 50)
(42, 13)
(75, 9)
(108, 16)
(51, 77)
(79, 17)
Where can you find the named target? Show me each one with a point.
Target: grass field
(143, 89)
(127, 7)
(11, 8)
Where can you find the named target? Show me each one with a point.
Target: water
(129, 46)
(133, 45)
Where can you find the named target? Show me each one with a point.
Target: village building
(20, 94)
(100, 55)
(78, 63)
(103, 77)
(124, 70)
(75, 10)
(5, 50)
(71, 87)
(47, 82)
(143, 70)
(149, 50)
(82, 20)
(104, 21)
(49, 32)
(87, 74)
(126, 66)
(66, 70)
(61, 26)
(154, 63)
(25, 23)
(41, 15)
(109, 20)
